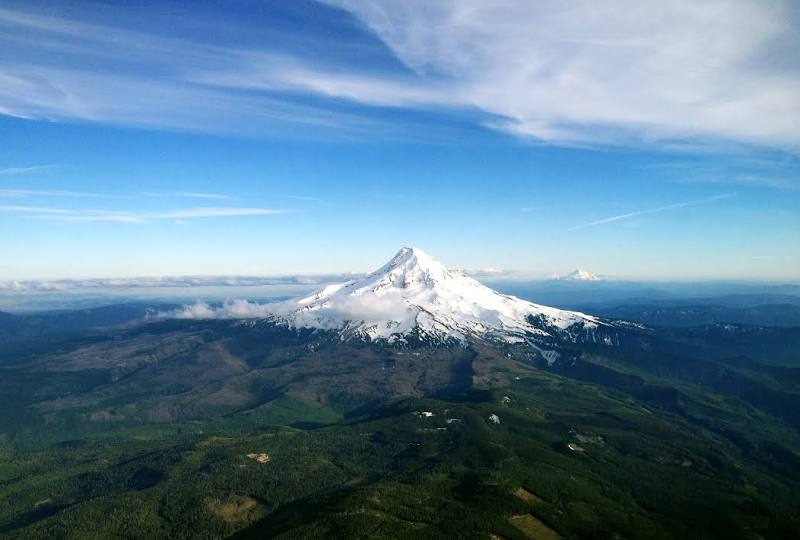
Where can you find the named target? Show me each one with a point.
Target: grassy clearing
(532, 527)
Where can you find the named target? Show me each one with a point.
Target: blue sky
(299, 137)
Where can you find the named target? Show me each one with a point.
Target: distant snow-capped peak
(578, 275)
(414, 292)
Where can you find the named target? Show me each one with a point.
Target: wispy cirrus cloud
(783, 183)
(18, 171)
(196, 195)
(592, 73)
(554, 83)
(144, 79)
(15, 192)
(190, 195)
(34, 209)
(647, 211)
(304, 198)
(122, 216)
(782, 173)
(55, 193)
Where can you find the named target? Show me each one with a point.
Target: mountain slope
(413, 293)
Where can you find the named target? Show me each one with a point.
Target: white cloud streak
(638, 213)
(303, 198)
(768, 180)
(190, 195)
(121, 216)
(17, 171)
(196, 195)
(781, 173)
(34, 209)
(54, 193)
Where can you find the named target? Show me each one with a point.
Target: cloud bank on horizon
(18, 286)
(238, 281)
(576, 72)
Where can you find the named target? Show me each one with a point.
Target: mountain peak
(408, 257)
(411, 266)
(414, 292)
(577, 275)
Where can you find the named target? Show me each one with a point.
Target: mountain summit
(414, 293)
(578, 275)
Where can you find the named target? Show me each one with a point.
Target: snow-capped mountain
(578, 275)
(415, 293)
